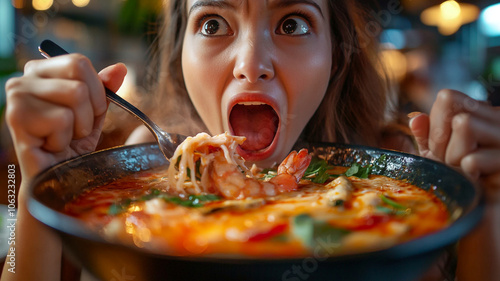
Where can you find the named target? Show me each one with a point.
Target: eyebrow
(211, 3)
(275, 4)
(288, 3)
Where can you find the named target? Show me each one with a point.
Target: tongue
(258, 123)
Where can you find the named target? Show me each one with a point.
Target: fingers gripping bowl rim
(54, 187)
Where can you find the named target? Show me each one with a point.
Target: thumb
(113, 75)
(419, 126)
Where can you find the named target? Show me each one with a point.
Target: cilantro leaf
(317, 171)
(192, 201)
(120, 207)
(391, 211)
(315, 232)
(394, 207)
(269, 174)
(359, 171)
(392, 203)
(380, 162)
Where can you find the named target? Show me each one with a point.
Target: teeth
(251, 103)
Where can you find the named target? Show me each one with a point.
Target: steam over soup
(209, 203)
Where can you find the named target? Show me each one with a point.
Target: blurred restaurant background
(427, 45)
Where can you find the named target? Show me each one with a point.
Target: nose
(253, 60)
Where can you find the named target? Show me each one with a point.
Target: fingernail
(413, 114)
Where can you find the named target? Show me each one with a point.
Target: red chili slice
(275, 230)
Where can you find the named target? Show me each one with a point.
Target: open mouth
(256, 121)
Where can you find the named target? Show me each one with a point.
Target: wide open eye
(215, 26)
(293, 25)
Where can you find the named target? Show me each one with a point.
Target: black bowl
(110, 260)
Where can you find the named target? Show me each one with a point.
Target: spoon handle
(50, 49)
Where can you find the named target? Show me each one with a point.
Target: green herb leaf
(353, 170)
(392, 203)
(384, 210)
(391, 211)
(178, 162)
(303, 228)
(197, 172)
(359, 171)
(381, 162)
(193, 201)
(153, 194)
(322, 177)
(317, 171)
(205, 197)
(314, 232)
(395, 208)
(269, 174)
(118, 208)
(185, 203)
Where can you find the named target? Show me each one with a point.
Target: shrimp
(188, 170)
(204, 164)
(232, 183)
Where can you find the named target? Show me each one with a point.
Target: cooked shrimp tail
(295, 164)
(211, 165)
(232, 183)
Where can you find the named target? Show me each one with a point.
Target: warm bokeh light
(450, 10)
(80, 3)
(18, 4)
(449, 16)
(127, 88)
(42, 5)
(394, 63)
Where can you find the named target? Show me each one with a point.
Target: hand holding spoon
(166, 142)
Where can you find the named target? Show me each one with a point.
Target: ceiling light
(449, 16)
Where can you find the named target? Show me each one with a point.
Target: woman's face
(257, 68)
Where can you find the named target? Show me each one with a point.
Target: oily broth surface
(261, 227)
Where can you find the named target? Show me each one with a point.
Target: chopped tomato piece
(370, 221)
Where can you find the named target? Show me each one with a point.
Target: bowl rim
(68, 225)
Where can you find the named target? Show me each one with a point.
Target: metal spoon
(167, 142)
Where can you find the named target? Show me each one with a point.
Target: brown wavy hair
(352, 111)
